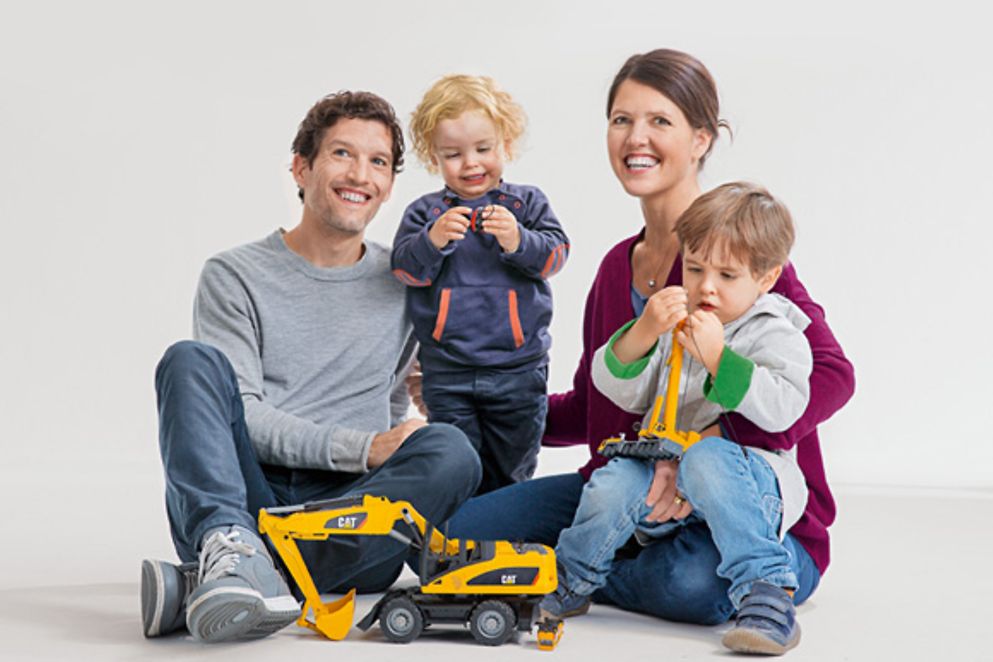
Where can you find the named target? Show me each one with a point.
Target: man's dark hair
(350, 105)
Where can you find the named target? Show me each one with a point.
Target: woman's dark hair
(683, 79)
(350, 105)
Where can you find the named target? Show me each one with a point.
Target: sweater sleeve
(544, 246)
(415, 260)
(630, 386)
(768, 383)
(832, 379)
(223, 316)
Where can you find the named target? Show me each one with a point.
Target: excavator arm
(319, 520)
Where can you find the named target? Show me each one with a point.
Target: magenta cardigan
(585, 416)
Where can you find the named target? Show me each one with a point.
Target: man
(293, 391)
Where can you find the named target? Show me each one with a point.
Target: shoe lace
(221, 553)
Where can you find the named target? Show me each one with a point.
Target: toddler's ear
(769, 279)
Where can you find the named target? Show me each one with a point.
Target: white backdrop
(139, 140)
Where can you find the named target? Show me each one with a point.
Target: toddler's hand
(703, 337)
(451, 226)
(502, 224)
(664, 310)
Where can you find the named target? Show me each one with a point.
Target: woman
(663, 119)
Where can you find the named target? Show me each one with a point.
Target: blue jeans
(737, 495)
(213, 478)
(675, 578)
(502, 413)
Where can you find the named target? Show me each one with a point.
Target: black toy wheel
(492, 622)
(401, 620)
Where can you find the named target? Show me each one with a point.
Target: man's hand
(663, 311)
(502, 224)
(703, 337)
(665, 501)
(386, 443)
(414, 382)
(451, 226)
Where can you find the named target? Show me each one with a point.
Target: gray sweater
(319, 352)
(769, 335)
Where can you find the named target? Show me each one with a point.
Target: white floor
(908, 582)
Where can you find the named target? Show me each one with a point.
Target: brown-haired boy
(748, 354)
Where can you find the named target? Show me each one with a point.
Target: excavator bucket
(332, 619)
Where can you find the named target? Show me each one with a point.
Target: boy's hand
(663, 311)
(503, 225)
(451, 226)
(703, 337)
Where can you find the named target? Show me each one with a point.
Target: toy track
(645, 449)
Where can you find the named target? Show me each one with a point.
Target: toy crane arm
(659, 440)
(349, 516)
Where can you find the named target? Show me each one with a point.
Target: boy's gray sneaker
(240, 594)
(164, 590)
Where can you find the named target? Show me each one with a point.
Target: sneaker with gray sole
(164, 589)
(240, 594)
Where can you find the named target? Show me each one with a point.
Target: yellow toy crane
(491, 586)
(659, 440)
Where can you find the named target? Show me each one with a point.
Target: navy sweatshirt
(472, 304)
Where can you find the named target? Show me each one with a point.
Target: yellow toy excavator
(491, 586)
(659, 440)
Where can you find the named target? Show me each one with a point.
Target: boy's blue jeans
(213, 478)
(735, 493)
(681, 576)
(502, 412)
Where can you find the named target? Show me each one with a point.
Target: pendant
(651, 283)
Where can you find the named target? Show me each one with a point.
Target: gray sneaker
(164, 590)
(240, 594)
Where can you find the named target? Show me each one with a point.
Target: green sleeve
(622, 370)
(734, 376)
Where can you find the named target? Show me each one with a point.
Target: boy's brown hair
(742, 219)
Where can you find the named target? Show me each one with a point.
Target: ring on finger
(679, 500)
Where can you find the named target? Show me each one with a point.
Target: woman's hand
(502, 224)
(665, 501)
(703, 337)
(451, 226)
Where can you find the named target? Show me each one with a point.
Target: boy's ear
(769, 279)
(508, 148)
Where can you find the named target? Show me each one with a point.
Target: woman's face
(652, 147)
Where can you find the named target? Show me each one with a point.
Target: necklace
(653, 281)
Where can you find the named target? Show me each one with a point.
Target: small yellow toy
(659, 440)
(491, 586)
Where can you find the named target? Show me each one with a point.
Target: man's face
(720, 283)
(351, 176)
